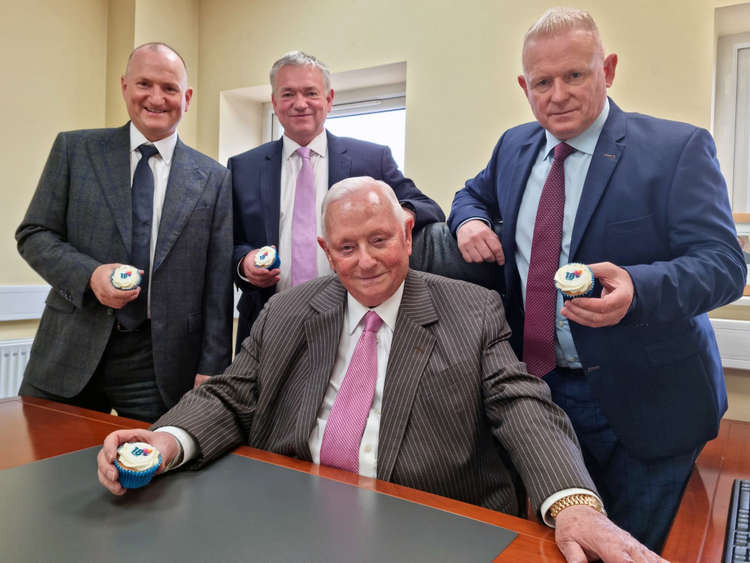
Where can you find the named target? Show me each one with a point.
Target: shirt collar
(586, 141)
(387, 310)
(165, 146)
(319, 145)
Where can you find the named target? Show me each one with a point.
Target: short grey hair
(350, 186)
(559, 20)
(298, 58)
(154, 46)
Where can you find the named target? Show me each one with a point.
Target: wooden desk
(33, 429)
(698, 531)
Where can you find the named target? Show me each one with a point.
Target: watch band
(575, 500)
(176, 460)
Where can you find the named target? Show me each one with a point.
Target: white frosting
(138, 456)
(265, 256)
(574, 279)
(126, 277)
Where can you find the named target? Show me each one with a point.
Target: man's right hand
(478, 243)
(259, 277)
(107, 294)
(163, 441)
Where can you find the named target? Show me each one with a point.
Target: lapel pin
(610, 156)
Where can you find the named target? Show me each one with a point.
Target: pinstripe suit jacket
(80, 217)
(460, 416)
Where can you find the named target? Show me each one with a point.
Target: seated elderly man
(395, 374)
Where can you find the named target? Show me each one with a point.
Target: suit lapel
(607, 154)
(524, 160)
(184, 187)
(323, 333)
(270, 190)
(339, 163)
(110, 160)
(410, 351)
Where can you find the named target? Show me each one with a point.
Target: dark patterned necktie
(134, 313)
(541, 296)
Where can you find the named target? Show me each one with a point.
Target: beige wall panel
(54, 56)
(120, 42)
(174, 22)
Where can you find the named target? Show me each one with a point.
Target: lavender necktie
(346, 422)
(541, 296)
(304, 245)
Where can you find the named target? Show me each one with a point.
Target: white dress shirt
(291, 163)
(160, 165)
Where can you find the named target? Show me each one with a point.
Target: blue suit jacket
(256, 181)
(654, 202)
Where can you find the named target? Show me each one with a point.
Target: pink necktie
(304, 245)
(541, 296)
(346, 422)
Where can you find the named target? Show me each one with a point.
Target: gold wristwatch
(575, 500)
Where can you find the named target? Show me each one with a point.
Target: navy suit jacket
(655, 203)
(256, 183)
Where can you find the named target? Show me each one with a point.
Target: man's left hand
(200, 379)
(583, 534)
(611, 307)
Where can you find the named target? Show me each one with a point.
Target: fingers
(611, 307)
(106, 470)
(106, 293)
(200, 380)
(260, 277)
(478, 243)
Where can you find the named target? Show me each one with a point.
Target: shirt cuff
(482, 219)
(189, 446)
(553, 498)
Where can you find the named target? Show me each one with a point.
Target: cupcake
(136, 463)
(574, 280)
(267, 257)
(125, 277)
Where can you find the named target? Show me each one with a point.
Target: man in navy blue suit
(266, 184)
(636, 367)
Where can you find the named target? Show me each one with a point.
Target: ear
(610, 63)
(523, 85)
(324, 247)
(123, 85)
(188, 97)
(329, 100)
(408, 226)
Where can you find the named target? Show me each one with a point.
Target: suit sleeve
(241, 245)
(219, 414)
(218, 299)
(478, 197)
(708, 269)
(42, 235)
(534, 431)
(426, 209)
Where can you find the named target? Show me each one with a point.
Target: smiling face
(565, 80)
(368, 244)
(155, 91)
(301, 102)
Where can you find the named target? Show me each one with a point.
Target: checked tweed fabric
(346, 423)
(539, 322)
(304, 245)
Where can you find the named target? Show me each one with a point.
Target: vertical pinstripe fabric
(461, 418)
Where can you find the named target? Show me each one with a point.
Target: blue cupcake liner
(135, 479)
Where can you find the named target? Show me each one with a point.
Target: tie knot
(563, 151)
(304, 152)
(372, 321)
(147, 151)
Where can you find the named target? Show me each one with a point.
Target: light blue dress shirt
(576, 169)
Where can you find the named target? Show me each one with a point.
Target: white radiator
(14, 355)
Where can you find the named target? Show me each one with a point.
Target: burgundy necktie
(541, 296)
(346, 422)
(304, 245)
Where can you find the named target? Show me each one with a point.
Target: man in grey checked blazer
(459, 416)
(78, 229)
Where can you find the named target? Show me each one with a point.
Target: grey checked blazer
(461, 417)
(80, 217)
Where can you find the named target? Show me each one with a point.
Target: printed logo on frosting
(141, 451)
(573, 275)
(125, 275)
(263, 255)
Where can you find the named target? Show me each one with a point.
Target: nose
(559, 91)
(300, 102)
(366, 261)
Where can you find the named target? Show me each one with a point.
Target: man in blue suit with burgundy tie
(644, 204)
(278, 187)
